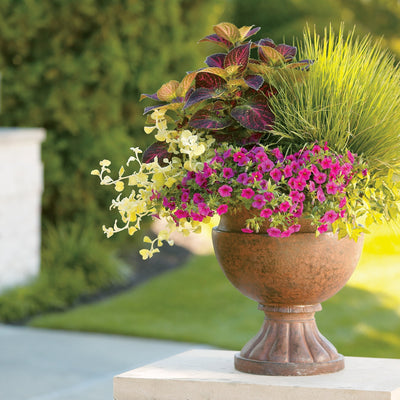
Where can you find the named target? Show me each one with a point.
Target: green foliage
(287, 18)
(350, 99)
(74, 264)
(77, 67)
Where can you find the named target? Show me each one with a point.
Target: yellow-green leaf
(228, 31)
(167, 92)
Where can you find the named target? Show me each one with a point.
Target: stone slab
(210, 375)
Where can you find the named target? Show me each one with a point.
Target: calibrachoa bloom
(225, 191)
(193, 186)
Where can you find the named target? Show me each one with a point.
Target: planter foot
(289, 343)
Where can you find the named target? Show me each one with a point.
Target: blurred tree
(286, 19)
(77, 68)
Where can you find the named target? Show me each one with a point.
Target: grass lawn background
(196, 303)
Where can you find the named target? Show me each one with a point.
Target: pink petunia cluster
(278, 189)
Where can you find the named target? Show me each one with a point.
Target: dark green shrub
(285, 19)
(75, 264)
(77, 68)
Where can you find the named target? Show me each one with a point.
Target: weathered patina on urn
(289, 278)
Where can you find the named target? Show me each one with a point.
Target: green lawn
(197, 304)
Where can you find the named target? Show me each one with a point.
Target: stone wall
(21, 177)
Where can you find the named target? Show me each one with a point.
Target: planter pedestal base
(289, 343)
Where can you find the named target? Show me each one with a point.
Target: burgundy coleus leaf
(253, 138)
(199, 95)
(270, 56)
(238, 56)
(209, 81)
(216, 60)
(214, 38)
(211, 117)
(251, 32)
(159, 150)
(255, 116)
(254, 81)
(288, 52)
(266, 42)
(268, 90)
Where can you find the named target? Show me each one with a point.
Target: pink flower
(228, 173)
(326, 163)
(185, 197)
(240, 158)
(258, 201)
(295, 196)
(247, 230)
(299, 184)
(226, 154)
(316, 149)
(295, 166)
(284, 207)
(287, 233)
(257, 175)
(265, 165)
(299, 211)
(204, 209)
(350, 156)
(320, 195)
(346, 169)
(305, 173)
(274, 232)
(269, 196)
(181, 214)
(343, 202)
(296, 227)
(331, 188)
(248, 193)
(200, 180)
(320, 178)
(287, 171)
(222, 209)
(330, 216)
(276, 174)
(243, 178)
(225, 191)
(311, 186)
(207, 171)
(196, 216)
(260, 154)
(277, 153)
(266, 213)
(168, 204)
(323, 228)
(197, 198)
(335, 168)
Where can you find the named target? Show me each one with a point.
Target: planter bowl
(289, 278)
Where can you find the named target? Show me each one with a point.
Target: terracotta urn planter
(289, 278)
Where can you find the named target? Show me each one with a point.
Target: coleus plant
(230, 97)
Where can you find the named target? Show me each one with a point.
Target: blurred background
(77, 68)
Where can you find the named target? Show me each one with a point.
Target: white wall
(21, 187)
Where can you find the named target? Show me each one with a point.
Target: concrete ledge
(210, 375)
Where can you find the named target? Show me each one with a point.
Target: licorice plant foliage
(222, 144)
